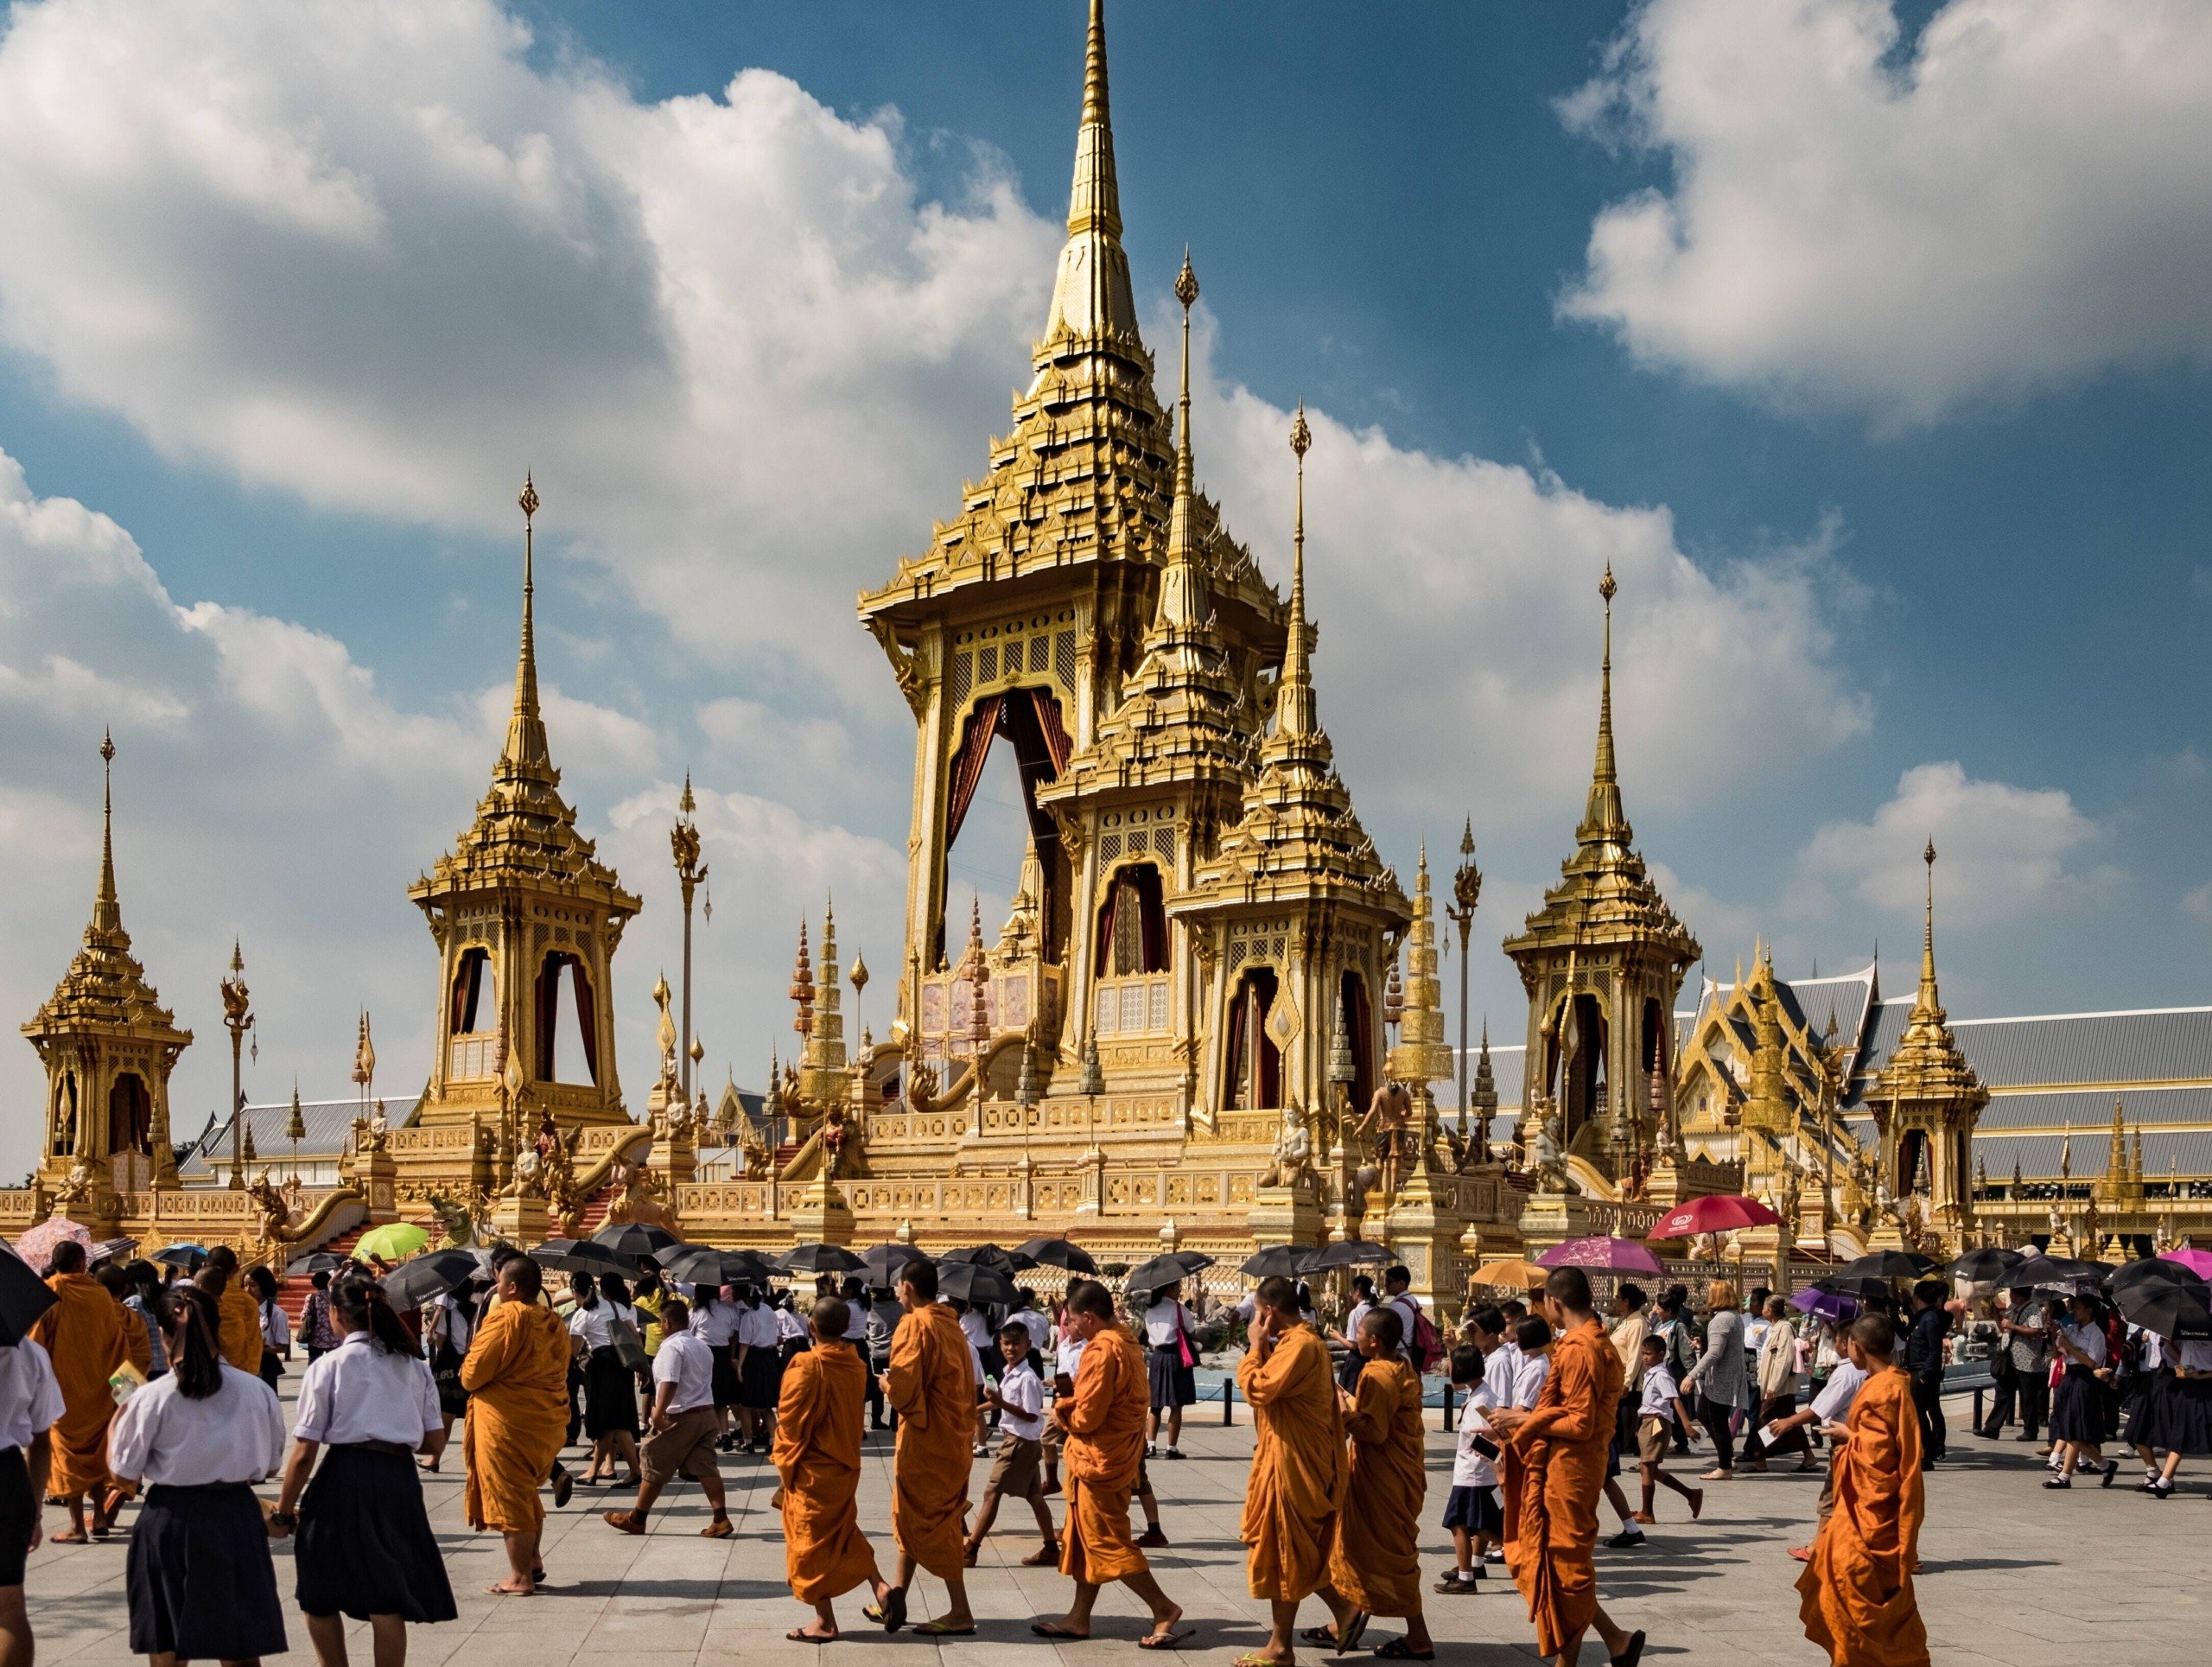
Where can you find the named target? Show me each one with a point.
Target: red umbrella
(1721, 1213)
(1619, 1256)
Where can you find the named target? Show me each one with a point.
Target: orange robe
(933, 1392)
(1553, 1470)
(1855, 1596)
(1298, 1471)
(240, 1337)
(817, 1455)
(83, 1332)
(137, 1347)
(1377, 1565)
(517, 1376)
(1103, 1448)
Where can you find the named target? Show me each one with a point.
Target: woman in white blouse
(201, 1582)
(1172, 1346)
(365, 1548)
(610, 1387)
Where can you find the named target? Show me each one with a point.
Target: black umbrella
(991, 1256)
(319, 1261)
(1162, 1271)
(705, 1264)
(1057, 1253)
(1351, 1253)
(1886, 1264)
(1283, 1260)
(884, 1261)
(23, 1297)
(110, 1247)
(2166, 1307)
(418, 1279)
(582, 1256)
(977, 1283)
(1859, 1290)
(2059, 1273)
(1988, 1265)
(187, 1256)
(636, 1239)
(2152, 1270)
(819, 1259)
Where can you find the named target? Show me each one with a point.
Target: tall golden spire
(1091, 295)
(526, 746)
(1295, 713)
(107, 911)
(1603, 817)
(1182, 584)
(1927, 1000)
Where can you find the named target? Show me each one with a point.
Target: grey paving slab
(2011, 1574)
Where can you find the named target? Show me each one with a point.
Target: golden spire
(802, 985)
(526, 746)
(107, 912)
(1295, 712)
(1927, 999)
(1602, 818)
(1091, 295)
(1182, 586)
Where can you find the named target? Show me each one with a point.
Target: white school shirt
(1359, 1312)
(1831, 1405)
(2154, 1347)
(236, 1434)
(1529, 1381)
(1068, 1354)
(30, 1396)
(855, 1319)
(1037, 1325)
(1163, 1319)
(2193, 1356)
(2090, 1339)
(788, 1325)
(688, 1362)
(1022, 1395)
(756, 1327)
(456, 1319)
(1507, 1361)
(716, 1322)
(1659, 1393)
(275, 1328)
(359, 1392)
(977, 1331)
(1469, 1468)
(596, 1325)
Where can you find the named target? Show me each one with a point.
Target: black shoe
(1626, 1540)
(2112, 1469)
(2059, 1481)
(563, 1486)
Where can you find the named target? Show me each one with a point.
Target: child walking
(1658, 1416)
(1019, 1399)
(1471, 1510)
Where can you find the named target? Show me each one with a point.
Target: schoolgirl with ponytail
(366, 1550)
(199, 1579)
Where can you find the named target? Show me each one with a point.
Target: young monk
(932, 1386)
(1296, 1486)
(1855, 1596)
(1103, 1426)
(83, 1334)
(517, 1376)
(1374, 1568)
(817, 1459)
(241, 1335)
(1554, 1469)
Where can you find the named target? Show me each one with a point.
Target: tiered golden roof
(1927, 1066)
(105, 987)
(1423, 1056)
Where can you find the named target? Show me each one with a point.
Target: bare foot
(808, 1635)
(511, 1588)
(72, 1536)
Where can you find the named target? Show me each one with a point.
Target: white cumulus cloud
(2018, 200)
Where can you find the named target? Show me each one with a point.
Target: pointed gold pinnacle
(529, 499)
(1606, 587)
(1187, 283)
(1301, 437)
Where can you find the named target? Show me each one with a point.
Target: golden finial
(107, 913)
(526, 744)
(1301, 437)
(687, 803)
(1927, 998)
(1608, 587)
(1602, 818)
(529, 499)
(1295, 710)
(1186, 282)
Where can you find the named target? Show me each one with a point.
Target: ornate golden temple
(1212, 1017)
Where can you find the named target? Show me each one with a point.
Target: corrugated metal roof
(2165, 1045)
(2188, 1151)
(1506, 1064)
(2088, 1110)
(327, 1124)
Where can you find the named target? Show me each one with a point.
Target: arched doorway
(1252, 1068)
(129, 1114)
(1358, 1021)
(1578, 1053)
(1030, 721)
(580, 1032)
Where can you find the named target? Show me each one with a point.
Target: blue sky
(1899, 449)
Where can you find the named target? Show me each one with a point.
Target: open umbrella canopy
(1824, 1305)
(977, 1283)
(819, 1259)
(2060, 1273)
(634, 1238)
(393, 1242)
(2171, 1308)
(1057, 1253)
(1620, 1255)
(707, 1265)
(1348, 1253)
(2151, 1270)
(1988, 1266)
(1276, 1262)
(1887, 1264)
(35, 1243)
(1722, 1213)
(23, 1297)
(317, 1262)
(1520, 1275)
(116, 1248)
(1160, 1273)
(1858, 1286)
(884, 1261)
(187, 1256)
(415, 1281)
(2197, 1261)
(990, 1256)
(570, 1255)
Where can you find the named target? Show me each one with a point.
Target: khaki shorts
(684, 1447)
(1015, 1473)
(1652, 1437)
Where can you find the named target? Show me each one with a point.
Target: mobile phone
(1483, 1444)
(1062, 1383)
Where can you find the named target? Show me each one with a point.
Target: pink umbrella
(35, 1244)
(1721, 1213)
(1619, 1256)
(2197, 1261)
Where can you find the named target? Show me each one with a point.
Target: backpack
(1424, 1346)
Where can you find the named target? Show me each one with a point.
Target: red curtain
(967, 763)
(1048, 724)
(586, 1021)
(548, 1002)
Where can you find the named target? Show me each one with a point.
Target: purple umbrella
(1619, 1256)
(1824, 1305)
(2197, 1261)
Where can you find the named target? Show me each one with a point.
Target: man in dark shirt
(2023, 1353)
(1924, 1360)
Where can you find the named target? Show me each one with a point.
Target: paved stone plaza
(2012, 1575)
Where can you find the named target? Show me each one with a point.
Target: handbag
(629, 1349)
(1183, 1344)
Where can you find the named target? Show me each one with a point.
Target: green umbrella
(394, 1242)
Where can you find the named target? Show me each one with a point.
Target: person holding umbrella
(1168, 1333)
(2025, 1340)
(2077, 1421)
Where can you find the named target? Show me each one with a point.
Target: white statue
(1551, 1157)
(1294, 1152)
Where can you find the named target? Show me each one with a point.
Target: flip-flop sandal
(509, 1592)
(1174, 1640)
(1254, 1659)
(937, 1629)
(1355, 1629)
(1399, 1650)
(1053, 1629)
(1634, 1654)
(1317, 1635)
(891, 1613)
(800, 1635)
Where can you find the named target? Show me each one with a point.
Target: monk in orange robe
(83, 1332)
(1103, 1429)
(1374, 1568)
(932, 1386)
(1553, 1468)
(137, 1347)
(517, 1376)
(240, 1337)
(817, 1458)
(1298, 1472)
(1855, 1596)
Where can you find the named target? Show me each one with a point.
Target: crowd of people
(141, 1384)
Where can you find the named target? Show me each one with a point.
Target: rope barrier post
(1447, 1406)
(1227, 1397)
